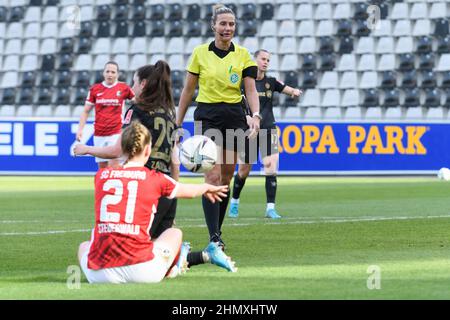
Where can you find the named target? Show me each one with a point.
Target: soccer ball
(198, 154)
(444, 174)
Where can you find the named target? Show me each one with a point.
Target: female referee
(219, 68)
(155, 109)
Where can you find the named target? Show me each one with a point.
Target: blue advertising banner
(31, 146)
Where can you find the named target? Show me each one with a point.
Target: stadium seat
(86, 13)
(7, 111)
(9, 96)
(175, 45)
(360, 11)
(428, 80)
(291, 79)
(404, 45)
(267, 29)
(121, 12)
(267, 11)
(386, 62)
(193, 12)
(102, 45)
(121, 29)
(175, 29)
(384, 29)
(83, 78)
(406, 62)
(424, 45)
(104, 29)
(248, 28)
(192, 43)
(350, 98)
(367, 62)
(83, 62)
(48, 62)
(194, 29)
(313, 113)
(138, 13)
(309, 80)
(86, 29)
(76, 112)
(346, 45)
(414, 113)
(332, 113)
(44, 96)
(329, 80)
(371, 98)
(365, 45)
(251, 43)
(402, 28)
(28, 79)
(441, 29)
(309, 62)
(361, 29)
(393, 113)
(311, 98)
(419, 11)
(306, 28)
(422, 28)
(139, 29)
(66, 45)
(409, 79)
(347, 62)
(270, 44)
(323, 12)
(327, 62)
(388, 80)
(138, 60)
(3, 14)
(24, 111)
(43, 111)
(446, 103)
(79, 97)
(445, 81)
(288, 45)
(426, 61)
(138, 45)
(412, 98)
(285, 11)
(369, 79)
(438, 10)
(399, 11)
(62, 111)
(432, 98)
(391, 98)
(435, 113)
(326, 45)
(349, 80)
(344, 28)
(99, 61)
(13, 46)
(10, 79)
(119, 46)
(443, 45)
(292, 113)
(16, 14)
(32, 30)
(385, 45)
(62, 96)
(177, 78)
(15, 31)
(353, 113)
(176, 62)
(29, 63)
(158, 29)
(248, 11)
(122, 60)
(342, 11)
(104, 13)
(46, 79)
(325, 28)
(157, 45)
(157, 12)
(49, 46)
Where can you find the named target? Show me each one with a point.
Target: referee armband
(251, 72)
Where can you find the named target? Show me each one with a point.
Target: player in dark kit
(267, 142)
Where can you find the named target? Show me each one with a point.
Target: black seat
(175, 29)
(157, 29)
(248, 11)
(177, 79)
(139, 2)
(391, 98)
(406, 62)
(9, 96)
(344, 28)
(267, 11)
(346, 45)
(83, 79)
(326, 45)
(384, 10)
(432, 98)
(3, 14)
(424, 45)
(64, 78)
(104, 30)
(46, 79)
(65, 62)
(98, 75)
(233, 7)
(86, 29)
(409, 79)
(121, 12)
(291, 79)
(441, 28)
(360, 11)
(16, 14)
(48, 62)
(28, 79)
(328, 62)
(193, 12)
(412, 98)
(208, 13)
(139, 29)
(103, 13)
(26, 96)
(121, 29)
(309, 62)
(124, 2)
(428, 79)
(79, 97)
(445, 80)
(66, 45)
(138, 13)
(443, 45)
(371, 98)
(157, 12)
(426, 62)
(446, 103)
(52, 2)
(248, 28)
(175, 12)
(44, 96)
(361, 29)
(194, 29)
(62, 96)
(84, 45)
(176, 95)
(388, 80)
(309, 80)
(36, 3)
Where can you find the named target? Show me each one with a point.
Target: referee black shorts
(266, 143)
(224, 123)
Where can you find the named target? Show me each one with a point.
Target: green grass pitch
(333, 229)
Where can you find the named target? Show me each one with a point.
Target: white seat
(353, 113)
(48, 46)
(268, 29)
(77, 111)
(87, 13)
(11, 63)
(306, 28)
(13, 46)
(289, 62)
(393, 113)
(274, 62)
(422, 28)
(10, 80)
(400, 10)
(175, 45)
(349, 80)
(384, 29)
(444, 62)
(277, 112)
(304, 12)
(32, 30)
(292, 113)
(414, 113)
(102, 45)
(137, 61)
(29, 63)
(7, 111)
(374, 113)
(62, 111)
(49, 30)
(123, 61)
(331, 98)
(138, 45)
(333, 113)
(350, 98)
(369, 79)
(313, 113)
(100, 61)
(311, 98)
(435, 113)
(342, 11)
(50, 14)
(404, 45)
(24, 111)
(325, 28)
(402, 28)
(367, 63)
(120, 45)
(157, 45)
(307, 45)
(252, 44)
(385, 45)
(2, 46)
(33, 14)
(287, 29)
(387, 62)
(347, 62)
(176, 62)
(323, 12)
(365, 45)
(285, 12)
(43, 111)
(329, 80)
(15, 30)
(288, 45)
(192, 43)
(270, 44)
(419, 11)
(438, 10)
(67, 31)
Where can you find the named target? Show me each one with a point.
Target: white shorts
(146, 272)
(104, 141)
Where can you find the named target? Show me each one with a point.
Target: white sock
(270, 205)
(234, 201)
(205, 256)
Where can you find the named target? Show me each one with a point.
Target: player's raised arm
(108, 152)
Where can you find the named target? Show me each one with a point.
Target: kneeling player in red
(121, 249)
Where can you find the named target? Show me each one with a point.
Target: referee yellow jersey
(221, 72)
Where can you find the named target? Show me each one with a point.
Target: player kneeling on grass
(121, 249)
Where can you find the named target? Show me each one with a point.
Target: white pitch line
(266, 223)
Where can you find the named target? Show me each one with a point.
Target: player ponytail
(134, 139)
(157, 92)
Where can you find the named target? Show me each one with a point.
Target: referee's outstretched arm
(186, 96)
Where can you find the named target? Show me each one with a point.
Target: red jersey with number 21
(108, 101)
(125, 204)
